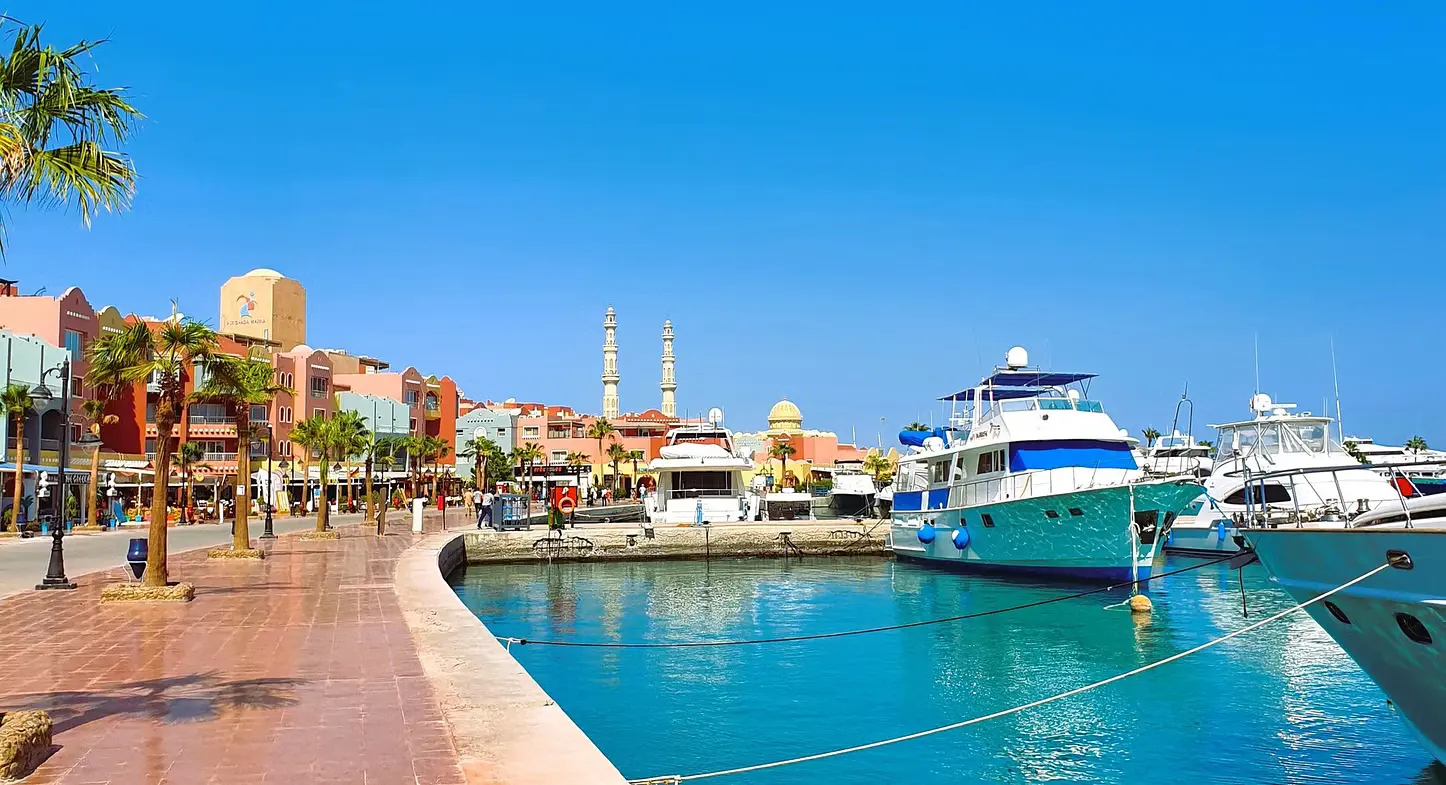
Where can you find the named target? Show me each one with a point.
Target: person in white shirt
(484, 508)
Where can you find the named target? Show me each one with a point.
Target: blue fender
(927, 533)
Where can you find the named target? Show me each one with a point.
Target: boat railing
(1020, 486)
(701, 493)
(1260, 512)
(1043, 404)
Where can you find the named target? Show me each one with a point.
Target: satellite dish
(1016, 357)
(715, 416)
(1260, 402)
(1073, 394)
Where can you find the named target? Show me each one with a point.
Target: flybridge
(1016, 384)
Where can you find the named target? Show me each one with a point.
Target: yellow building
(265, 304)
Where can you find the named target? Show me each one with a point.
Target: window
(77, 387)
(1076, 512)
(992, 461)
(75, 342)
(1337, 612)
(1413, 628)
(150, 412)
(319, 413)
(528, 431)
(258, 413)
(558, 456)
(941, 471)
(412, 424)
(986, 520)
(1051, 514)
(1274, 494)
(319, 385)
(411, 397)
(210, 413)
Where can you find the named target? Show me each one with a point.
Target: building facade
(264, 304)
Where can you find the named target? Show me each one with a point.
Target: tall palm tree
(527, 457)
(1417, 445)
(378, 453)
(616, 455)
(415, 447)
(879, 466)
(240, 383)
(437, 449)
(164, 356)
(317, 438)
(190, 457)
(479, 449)
(95, 412)
(635, 456)
(782, 450)
(353, 439)
(577, 461)
(18, 405)
(600, 429)
(55, 127)
(1150, 435)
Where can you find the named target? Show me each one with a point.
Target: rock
(24, 742)
(326, 535)
(135, 592)
(230, 553)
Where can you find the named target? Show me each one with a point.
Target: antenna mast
(1335, 381)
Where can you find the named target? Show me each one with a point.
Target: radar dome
(715, 416)
(263, 272)
(1260, 402)
(1016, 357)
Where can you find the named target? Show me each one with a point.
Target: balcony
(212, 419)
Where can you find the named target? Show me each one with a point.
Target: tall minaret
(610, 365)
(669, 385)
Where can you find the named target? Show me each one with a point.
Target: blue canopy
(1000, 394)
(1034, 379)
(916, 438)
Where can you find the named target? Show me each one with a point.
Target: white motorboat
(852, 494)
(1177, 454)
(700, 479)
(1276, 441)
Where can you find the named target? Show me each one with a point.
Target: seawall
(630, 542)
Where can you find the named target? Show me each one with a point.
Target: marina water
(1279, 705)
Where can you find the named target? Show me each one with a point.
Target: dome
(263, 272)
(785, 416)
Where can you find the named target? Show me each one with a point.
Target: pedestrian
(484, 509)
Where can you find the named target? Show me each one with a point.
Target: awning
(72, 477)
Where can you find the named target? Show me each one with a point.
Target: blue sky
(854, 210)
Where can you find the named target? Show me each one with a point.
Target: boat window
(1274, 494)
(992, 461)
(1051, 514)
(941, 470)
(1076, 512)
(1337, 612)
(986, 520)
(959, 467)
(1311, 434)
(1413, 628)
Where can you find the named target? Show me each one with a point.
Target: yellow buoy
(1141, 604)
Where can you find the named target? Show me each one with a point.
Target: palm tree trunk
(367, 489)
(349, 495)
(19, 476)
(322, 508)
(156, 568)
(91, 520)
(241, 529)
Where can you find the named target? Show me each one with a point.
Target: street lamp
(55, 573)
(268, 533)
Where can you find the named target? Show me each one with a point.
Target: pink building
(67, 321)
(407, 386)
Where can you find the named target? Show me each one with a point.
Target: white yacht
(1392, 624)
(700, 478)
(852, 494)
(1177, 454)
(1276, 440)
(1032, 476)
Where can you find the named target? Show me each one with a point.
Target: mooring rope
(509, 640)
(1031, 705)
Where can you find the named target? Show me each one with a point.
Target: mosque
(812, 450)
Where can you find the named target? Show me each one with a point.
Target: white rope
(1032, 705)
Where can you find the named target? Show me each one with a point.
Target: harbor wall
(630, 542)
(506, 729)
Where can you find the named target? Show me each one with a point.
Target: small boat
(700, 479)
(1031, 477)
(1392, 624)
(852, 494)
(788, 504)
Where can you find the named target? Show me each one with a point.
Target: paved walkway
(299, 669)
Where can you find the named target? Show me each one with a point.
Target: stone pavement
(299, 669)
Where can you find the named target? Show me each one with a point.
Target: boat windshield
(1275, 438)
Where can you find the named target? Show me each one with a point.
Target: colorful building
(264, 304)
(811, 448)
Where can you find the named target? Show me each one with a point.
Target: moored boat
(1032, 477)
(852, 494)
(700, 479)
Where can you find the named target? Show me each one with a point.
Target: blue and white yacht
(1031, 476)
(1392, 624)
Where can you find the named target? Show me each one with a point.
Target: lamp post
(268, 533)
(55, 573)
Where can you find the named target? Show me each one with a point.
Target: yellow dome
(784, 416)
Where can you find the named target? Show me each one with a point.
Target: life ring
(566, 505)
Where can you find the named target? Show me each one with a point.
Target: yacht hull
(1307, 562)
(1214, 538)
(1087, 537)
(851, 504)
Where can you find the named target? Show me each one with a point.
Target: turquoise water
(1280, 705)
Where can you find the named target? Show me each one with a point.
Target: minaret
(669, 385)
(610, 365)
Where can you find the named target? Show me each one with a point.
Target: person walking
(484, 508)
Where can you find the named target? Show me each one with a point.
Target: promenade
(297, 669)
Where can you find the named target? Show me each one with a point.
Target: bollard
(417, 507)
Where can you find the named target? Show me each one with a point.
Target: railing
(1043, 404)
(1030, 484)
(1259, 511)
(212, 419)
(701, 493)
(220, 456)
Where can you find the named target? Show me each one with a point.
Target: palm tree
(1150, 435)
(240, 383)
(416, 449)
(190, 457)
(17, 403)
(381, 454)
(600, 429)
(577, 461)
(527, 457)
(163, 356)
(1417, 445)
(916, 426)
(353, 438)
(95, 412)
(317, 437)
(783, 450)
(54, 128)
(437, 450)
(478, 449)
(635, 456)
(879, 466)
(616, 455)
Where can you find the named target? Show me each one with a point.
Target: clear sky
(857, 206)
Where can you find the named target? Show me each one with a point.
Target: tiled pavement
(299, 669)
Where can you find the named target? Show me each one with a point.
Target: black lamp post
(55, 573)
(268, 533)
